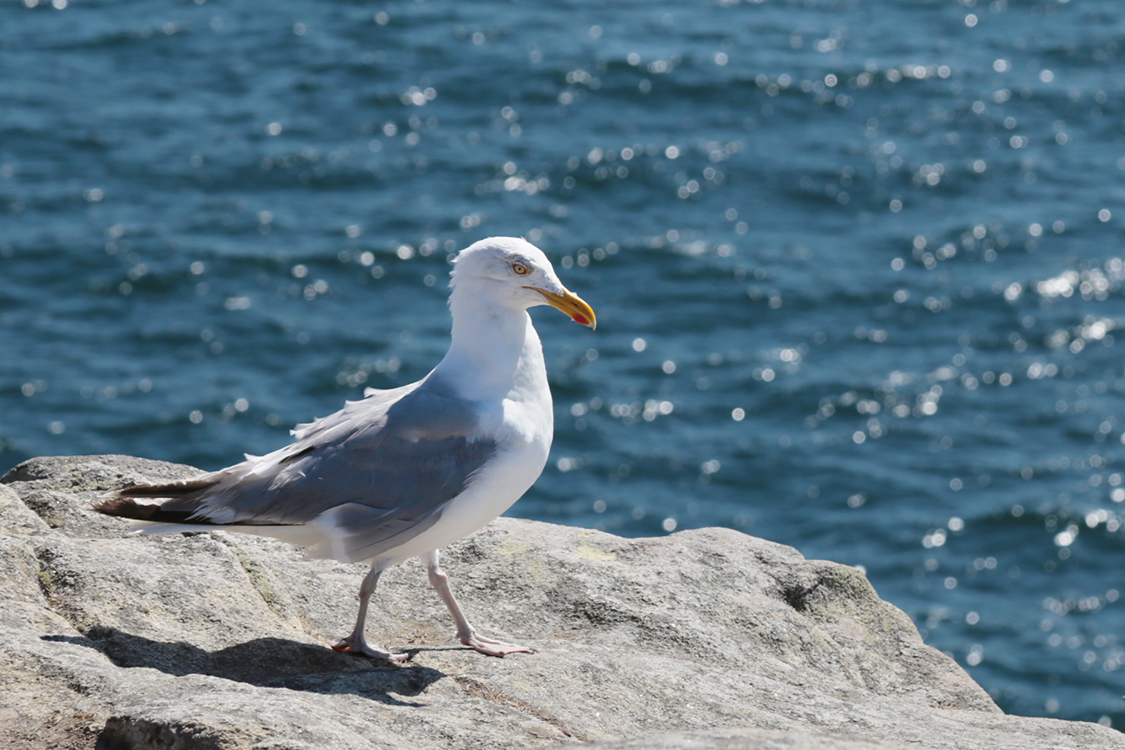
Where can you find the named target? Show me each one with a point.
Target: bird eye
(521, 269)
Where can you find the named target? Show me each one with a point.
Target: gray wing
(375, 474)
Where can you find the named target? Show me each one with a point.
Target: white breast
(491, 492)
(523, 428)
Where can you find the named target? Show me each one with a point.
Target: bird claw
(359, 646)
(489, 647)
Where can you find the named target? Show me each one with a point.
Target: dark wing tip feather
(122, 507)
(170, 489)
(179, 508)
(125, 507)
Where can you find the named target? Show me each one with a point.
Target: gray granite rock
(702, 639)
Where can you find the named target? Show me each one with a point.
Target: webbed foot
(353, 645)
(489, 647)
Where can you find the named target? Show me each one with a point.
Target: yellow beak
(571, 304)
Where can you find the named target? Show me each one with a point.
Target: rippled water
(858, 268)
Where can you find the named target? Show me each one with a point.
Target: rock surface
(702, 640)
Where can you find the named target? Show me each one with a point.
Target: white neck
(495, 351)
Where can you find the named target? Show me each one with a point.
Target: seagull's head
(517, 274)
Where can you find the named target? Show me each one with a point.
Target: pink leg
(356, 643)
(468, 635)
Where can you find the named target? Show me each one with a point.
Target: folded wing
(367, 478)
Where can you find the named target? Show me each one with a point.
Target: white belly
(491, 492)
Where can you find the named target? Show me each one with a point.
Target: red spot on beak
(580, 319)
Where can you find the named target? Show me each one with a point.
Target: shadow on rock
(265, 662)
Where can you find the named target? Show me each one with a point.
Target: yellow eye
(521, 269)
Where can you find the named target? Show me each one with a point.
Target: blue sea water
(858, 267)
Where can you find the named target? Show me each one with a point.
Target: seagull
(403, 472)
